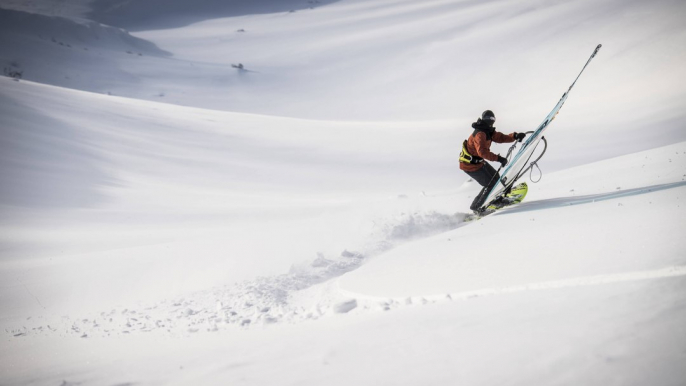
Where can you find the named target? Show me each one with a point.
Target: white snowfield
(168, 219)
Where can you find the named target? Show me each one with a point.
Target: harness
(467, 158)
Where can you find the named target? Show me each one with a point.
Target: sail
(514, 169)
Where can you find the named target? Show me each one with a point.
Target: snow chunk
(345, 307)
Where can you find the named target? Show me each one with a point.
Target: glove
(502, 160)
(519, 136)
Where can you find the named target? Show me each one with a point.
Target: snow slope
(612, 217)
(578, 305)
(399, 60)
(111, 182)
(300, 221)
(159, 14)
(622, 334)
(591, 263)
(73, 10)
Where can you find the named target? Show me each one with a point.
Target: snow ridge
(667, 272)
(30, 29)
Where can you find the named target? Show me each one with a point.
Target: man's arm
(503, 138)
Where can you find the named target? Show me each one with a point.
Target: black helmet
(488, 116)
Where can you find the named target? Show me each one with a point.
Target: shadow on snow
(569, 201)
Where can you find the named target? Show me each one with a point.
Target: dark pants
(486, 177)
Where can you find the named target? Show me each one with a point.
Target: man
(477, 148)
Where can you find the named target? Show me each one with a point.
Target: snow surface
(168, 219)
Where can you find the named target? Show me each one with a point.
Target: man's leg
(486, 177)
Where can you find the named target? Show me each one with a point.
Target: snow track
(667, 272)
(283, 299)
(307, 292)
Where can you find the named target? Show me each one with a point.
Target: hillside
(123, 280)
(168, 217)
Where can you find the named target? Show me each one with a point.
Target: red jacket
(480, 146)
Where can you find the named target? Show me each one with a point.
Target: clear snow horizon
(171, 217)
